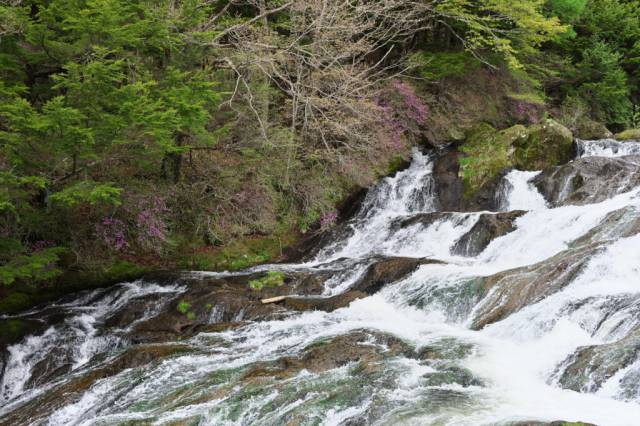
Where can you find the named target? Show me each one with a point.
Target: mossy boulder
(628, 135)
(591, 130)
(487, 152)
(546, 144)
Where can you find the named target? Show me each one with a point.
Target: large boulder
(488, 152)
(546, 144)
(467, 177)
(587, 129)
(217, 299)
(588, 180)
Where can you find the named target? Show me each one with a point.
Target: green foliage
(88, 192)
(272, 279)
(605, 58)
(568, 10)
(35, 266)
(605, 85)
(502, 26)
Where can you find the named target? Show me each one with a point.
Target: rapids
(543, 324)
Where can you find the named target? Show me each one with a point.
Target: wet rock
(365, 347)
(228, 299)
(467, 178)
(450, 187)
(423, 219)
(452, 375)
(588, 180)
(35, 411)
(327, 304)
(487, 228)
(445, 349)
(591, 366)
(57, 363)
(508, 292)
(387, 271)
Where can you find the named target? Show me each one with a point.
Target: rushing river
(543, 323)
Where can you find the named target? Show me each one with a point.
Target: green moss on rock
(588, 129)
(488, 152)
(272, 279)
(627, 135)
(548, 143)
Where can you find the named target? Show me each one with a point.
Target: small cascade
(519, 193)
(607, 148)
(409, 191)
(529, 313)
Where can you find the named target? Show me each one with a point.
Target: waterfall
(540, 323)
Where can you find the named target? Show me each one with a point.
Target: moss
(183, 307)
(16, 302)
(272, 279)
(547, 144)
(631, 134)
(488, 152)
(588, 129)
(534, 98)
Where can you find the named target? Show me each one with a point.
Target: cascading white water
(607, 148)
(512, 369)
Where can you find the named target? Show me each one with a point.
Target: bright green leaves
(508, 28)
(36, 266)
(87, 192)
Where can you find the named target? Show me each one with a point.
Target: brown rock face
(450, 187)
(487, 228)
